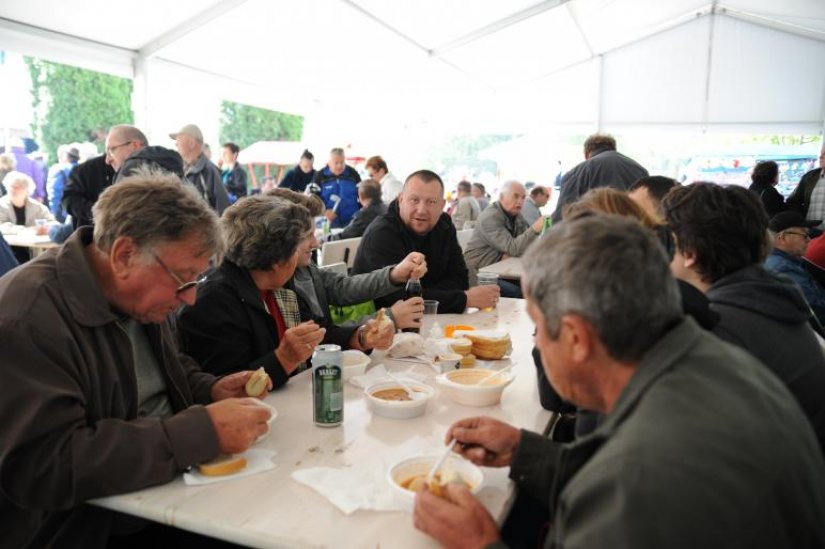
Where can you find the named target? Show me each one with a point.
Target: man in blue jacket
(339, 189)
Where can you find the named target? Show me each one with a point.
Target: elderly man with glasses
(97, 398)
(791, 236)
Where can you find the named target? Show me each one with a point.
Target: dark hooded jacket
(387, 241)
(768, 317)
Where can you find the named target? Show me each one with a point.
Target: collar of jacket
(786, 256)
(241, 281)
(659, 359)
(78, 283)
(198, 166)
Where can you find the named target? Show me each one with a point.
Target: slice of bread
(488, 344)
(257, 382)
(222, 465)
(461, 345)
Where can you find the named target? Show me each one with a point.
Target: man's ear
(690, 259)
(123, 256)
(578, 338)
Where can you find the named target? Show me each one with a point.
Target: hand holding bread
(238, 422)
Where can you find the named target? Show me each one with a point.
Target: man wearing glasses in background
(97, 399)
(791, 236)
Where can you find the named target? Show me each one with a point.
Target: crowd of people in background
(679, 335)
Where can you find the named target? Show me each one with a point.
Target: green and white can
(327, 386)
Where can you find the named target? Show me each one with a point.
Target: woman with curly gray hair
(244, 318)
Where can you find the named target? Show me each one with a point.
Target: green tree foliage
(245, 125)
(74, 104)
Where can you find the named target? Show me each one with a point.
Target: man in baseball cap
(198, 170)
(791, 235)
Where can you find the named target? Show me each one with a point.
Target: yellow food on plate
(416, 482)
(222, 465)
(467, 361)
(257, 382)
(395, 394)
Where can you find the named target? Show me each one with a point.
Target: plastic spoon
(486, 380)
(440, 462)
(415, 395)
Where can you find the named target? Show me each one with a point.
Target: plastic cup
(430, 307)
(485, 279)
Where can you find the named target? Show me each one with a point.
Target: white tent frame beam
(188, 26)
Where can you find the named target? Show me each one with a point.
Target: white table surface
(272, 510)
(506, 268)
(25, 237)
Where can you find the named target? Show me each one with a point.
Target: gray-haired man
(102, 401)
(693, 424)
(198, 169)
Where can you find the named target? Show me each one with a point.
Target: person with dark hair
(369, 196)
(764, 178)
(692, 424)
(339, 191)
(466, 209)
(416, 222)
(390, 186)
(233, 175)
(648, 193)
(808, 198)
(301, 175)
(603, 166)
(481, 196)
(535, 201)
(721, 241)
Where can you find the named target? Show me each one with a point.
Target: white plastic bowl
(474, 395)
(421, 465)
(354, 362)
(399, 409)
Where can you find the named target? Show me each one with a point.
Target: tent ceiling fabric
(519, 63)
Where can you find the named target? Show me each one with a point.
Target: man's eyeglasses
(182, 286)
(111, 150)
(806, 236)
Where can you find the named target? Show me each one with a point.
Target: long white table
(506, 268)
(25, 237)
(272, 510)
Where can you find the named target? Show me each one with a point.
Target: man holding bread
(97, 400)
(701, 446)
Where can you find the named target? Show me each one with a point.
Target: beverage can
(327, 386)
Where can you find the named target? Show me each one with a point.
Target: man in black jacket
(86, 182)
(416, 222)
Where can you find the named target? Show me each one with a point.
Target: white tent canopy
(366, 67)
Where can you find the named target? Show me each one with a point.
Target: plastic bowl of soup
(406, 476)
(469, 386)
(389, 399)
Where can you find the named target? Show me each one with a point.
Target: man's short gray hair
(263, 230)
(153, 207)
(508, 186)
(612, 272)
(14, 178)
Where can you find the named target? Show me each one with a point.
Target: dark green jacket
(704, 448)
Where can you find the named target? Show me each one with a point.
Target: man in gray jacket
(501, 232)
(198, 170)
(701, 446)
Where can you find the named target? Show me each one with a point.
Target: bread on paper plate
(487, 344)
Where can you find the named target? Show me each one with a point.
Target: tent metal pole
(708, 69)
